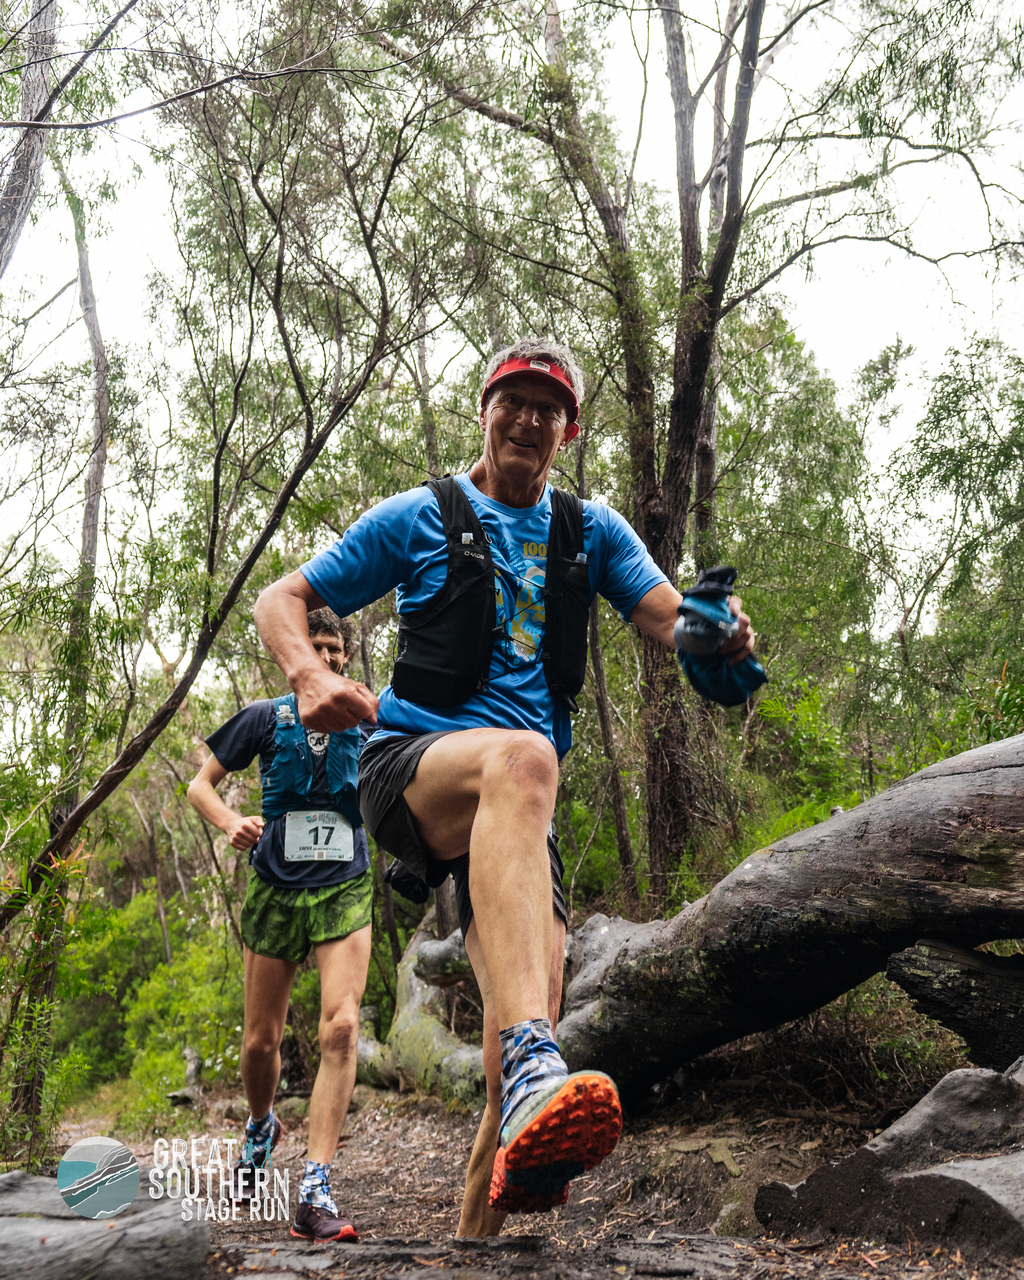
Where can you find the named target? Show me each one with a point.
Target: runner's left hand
(742, 643)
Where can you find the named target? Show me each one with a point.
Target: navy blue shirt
(253, 732)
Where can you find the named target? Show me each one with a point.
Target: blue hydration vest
(287, 782)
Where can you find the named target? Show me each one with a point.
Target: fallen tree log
(442, 962)
(979, 996)
(421, 1049)
(801, 922)
(45, 1239)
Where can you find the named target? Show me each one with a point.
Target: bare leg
(342, 964)
(478, 1218)
(493, 791)
(267, 985)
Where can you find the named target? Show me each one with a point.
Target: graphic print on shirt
(523, 627)
(317, 742)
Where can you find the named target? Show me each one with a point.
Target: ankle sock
(258, 1134)
(529, 1061)
(315, 1187)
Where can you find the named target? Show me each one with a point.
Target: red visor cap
(546, 369)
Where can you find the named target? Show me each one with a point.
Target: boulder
(950, 1172)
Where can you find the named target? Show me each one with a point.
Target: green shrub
(196, 1002)
(110, 953)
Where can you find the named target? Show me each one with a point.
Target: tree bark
(447, 923)
(615, 788)
(602, 701)
(77, 641)
(45, 1239)
(21, 185)
(423, 1051)
(41, 966)
(799, 923)
(668, 779)
(388, 910)
(979, 996)
(423, 392)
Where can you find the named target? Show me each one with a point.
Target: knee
(339, 1032)
(526, 761)
(260, 1042)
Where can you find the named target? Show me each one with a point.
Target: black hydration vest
(443, 654)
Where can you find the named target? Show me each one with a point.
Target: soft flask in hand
(705, 623)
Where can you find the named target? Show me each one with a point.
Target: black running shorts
(387, 764)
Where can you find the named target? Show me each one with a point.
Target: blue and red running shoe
(565, 1128)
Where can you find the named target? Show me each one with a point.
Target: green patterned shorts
(285, 923)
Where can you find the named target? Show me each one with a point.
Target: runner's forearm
(208, 804)
(280, 616)
(327, 702)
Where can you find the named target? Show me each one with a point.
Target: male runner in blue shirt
(495, 572)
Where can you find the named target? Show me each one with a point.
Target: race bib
(317, 835)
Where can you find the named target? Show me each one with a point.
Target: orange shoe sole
(581, 1122)
(514, 1198)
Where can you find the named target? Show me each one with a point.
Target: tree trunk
(388, 909)
(427, 418)
(620, 811)
(77, 641)
(705, 553)
(615, 787)
(979, 996)
(21, 185)
(41, 968)
(799, 923)
(667, 775)
(422, 1050)
(447, 923)
(160, 899)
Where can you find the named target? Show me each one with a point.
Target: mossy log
(801, 922)
(979, 996)
(424, 1053)
(442, 962)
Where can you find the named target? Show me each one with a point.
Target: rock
(950, 1171)
(236, 1109)
(362, 1096)
(190, 1096)
(292, 1108)
(46, 1240)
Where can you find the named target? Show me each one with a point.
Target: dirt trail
(674, 1199)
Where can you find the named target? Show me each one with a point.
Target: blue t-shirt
(401, 543)
(253, 732)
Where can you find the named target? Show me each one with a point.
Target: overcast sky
(858, 300)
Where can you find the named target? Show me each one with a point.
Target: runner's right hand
(244, 833)
(329, 702)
